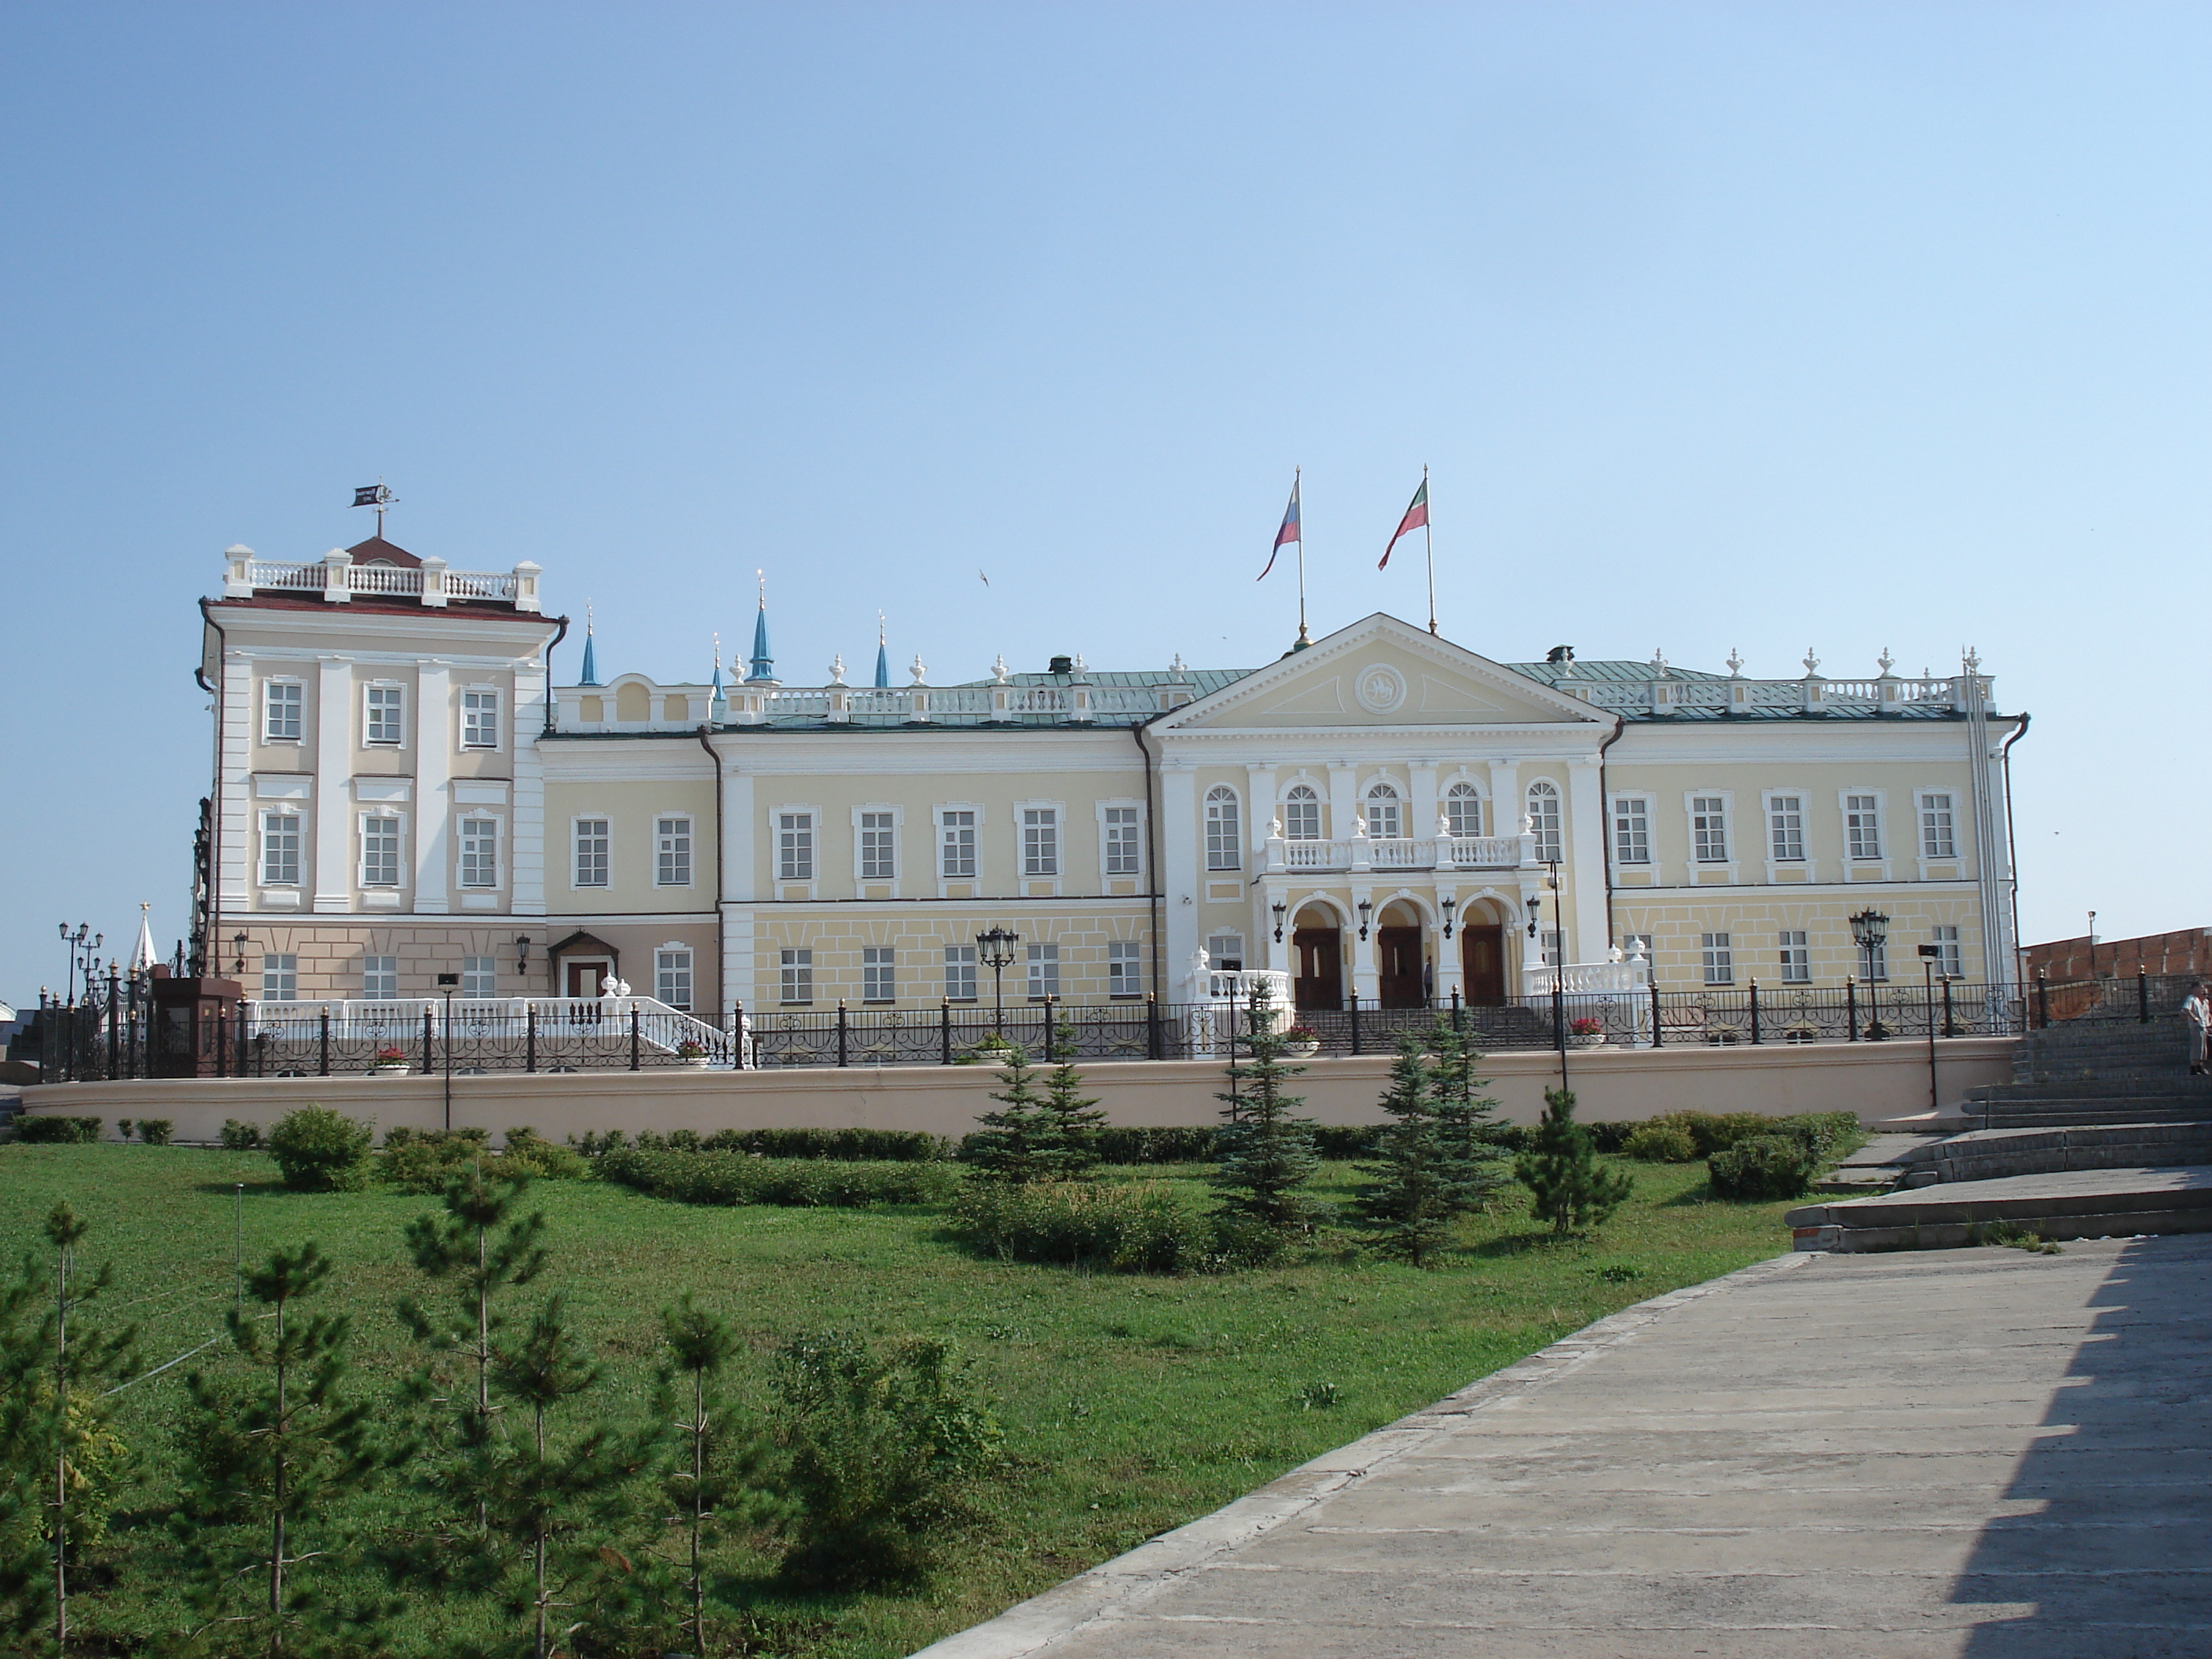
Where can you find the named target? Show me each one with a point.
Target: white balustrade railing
(381, 579)
(263, 574)
(400, 1019)
(338, 577)
(1402, 853)
(1578, 979)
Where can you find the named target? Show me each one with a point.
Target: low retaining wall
(1877, 1080)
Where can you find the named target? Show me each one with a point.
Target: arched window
(1301, 814)
(1222, 836)
(1544, 821)
(1384, 822)
(1463, 810)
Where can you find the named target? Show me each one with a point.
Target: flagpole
(1429, 537)
(1297, 473)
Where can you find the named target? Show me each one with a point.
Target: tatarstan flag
(1417, 517)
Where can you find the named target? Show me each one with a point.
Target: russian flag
(1289, 532)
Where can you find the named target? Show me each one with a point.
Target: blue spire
(882, 658)
(590, 674)
(764, 663)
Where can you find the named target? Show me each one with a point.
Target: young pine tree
(1571, 1189)
(1408, 1203)
(1266, 1153)
(1072, 1120)
(269, 1461)
(1016, 1143)
(1470, 1166)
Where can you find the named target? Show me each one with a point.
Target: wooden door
(1319, 980)
(1397, 967)
(583, 975)
(1482, 952)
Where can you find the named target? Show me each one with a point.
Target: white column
(1365, 980)
(334, 770)
(736, 854)
(1275, 892)
(1448, 950)
(1585, 871)
(1178, 873)
(433, 798)
(1343, 800)
(1506, 806)
(238, 828)
(527, 849)
(1259, 811)
(1423, 806)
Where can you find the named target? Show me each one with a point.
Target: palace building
(401, 791)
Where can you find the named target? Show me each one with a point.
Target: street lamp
(1278, 908)
(1929, 954)
(997, 949)
(449, 983)
(1559, 974)
(1871, 929)
(1535, 909)
(1447, 906)
(238, 943)
(1366, 909)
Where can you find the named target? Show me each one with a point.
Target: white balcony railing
(1402, 853)
(339, 580)
(403, 1018)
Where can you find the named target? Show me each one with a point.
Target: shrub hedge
(1764, 1166)
(843, 1145)
(58, 1131)
(1137, 1227)
(732, 1177)
(239, 1136)
(155, 1130)
(320, 1150)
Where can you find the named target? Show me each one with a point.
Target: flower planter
(391, 1071)
(1586, 1039)
(1305, 1050)
(697, 1062)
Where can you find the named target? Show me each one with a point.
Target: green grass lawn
(1131, 1404)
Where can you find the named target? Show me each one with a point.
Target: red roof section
(377, 551)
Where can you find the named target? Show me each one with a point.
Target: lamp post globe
(996, 949)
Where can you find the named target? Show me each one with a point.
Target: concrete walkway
(1982, 1453)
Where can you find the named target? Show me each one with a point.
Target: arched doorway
(1317, 950)
(1400, 970)
(1482, 955)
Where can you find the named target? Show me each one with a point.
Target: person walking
(2196, 1017)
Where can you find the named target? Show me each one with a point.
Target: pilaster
(333, 770)
(1179, 861)
(433, 797)
(1586, 863)
(527, 850)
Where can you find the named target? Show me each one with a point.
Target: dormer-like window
(1302, 815)
(1463, 810)
(1384, 820)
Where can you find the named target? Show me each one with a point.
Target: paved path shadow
(1967, 1454)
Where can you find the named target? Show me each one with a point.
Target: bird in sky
(979, 571)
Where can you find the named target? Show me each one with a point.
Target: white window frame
(675, 967)
(1551, 843)
(959, 973)
(362, 872)
(1384, 792)
(1041, 961)
(1921, 811)
(1795, 947)
(1710, 805)
(1125, 968)
(796, 972)
(1057, 826)
(1225, 936)
(1474, 797)
(778, 863)
(1875, 866)
(299, 709)
(477, 815)
(1854, 804)
(368, 721)
(1716, 952)
(896, 829)
(674, 866)
(1134, 840)
(1318, 796)
(471, 725)
(280, 976)
(1770, 810)
(1221, 828)
(473, 988)
(879, 972)
(1641, 830)
(605, 854)
(1951, 963)
(299, 850)
(379, 984)
(942, 830)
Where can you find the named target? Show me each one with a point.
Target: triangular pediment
(1380, 671)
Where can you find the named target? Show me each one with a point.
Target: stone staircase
(2084, 1072)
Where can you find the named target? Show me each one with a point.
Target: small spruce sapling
(1407, 1202)
(1073, 1119)
(1266, 1153)
(1571, 1188)
(1470, 1166)
(1016, 1143)
(716, 1485)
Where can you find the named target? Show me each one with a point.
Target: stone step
(1988, 1154)
(2067, 1116)
(2171, 1086)
(2076, 1204)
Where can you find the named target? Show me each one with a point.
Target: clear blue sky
(1759, 327)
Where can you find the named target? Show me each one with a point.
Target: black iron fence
(2139, 997)
(115, 1035)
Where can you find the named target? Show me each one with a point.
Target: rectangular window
(1227, 952)
(380, 723)
(480, 976)
(1796, 958)
(671, 854)
(280, 978)
(1125, 968)
(960, 973)
(479, 852)
(878, 848)
(1039, 842)
(281, 704)
(1862, 826)
(1548, 949)
(1122, 857)
(1709, 827)
(280, 849)
(878, 974)
(479, 720)
(379, 852)
(592, 842)
(379, 978)
(1632, 830)
(1948, 963)
(1938, 840)
(1044, 971)
(795, 846)
(1382, 822)
(798, 975)
(1785, 828)
(1302, 815)
(1720, 959)
(671, 977)
(957, 845)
